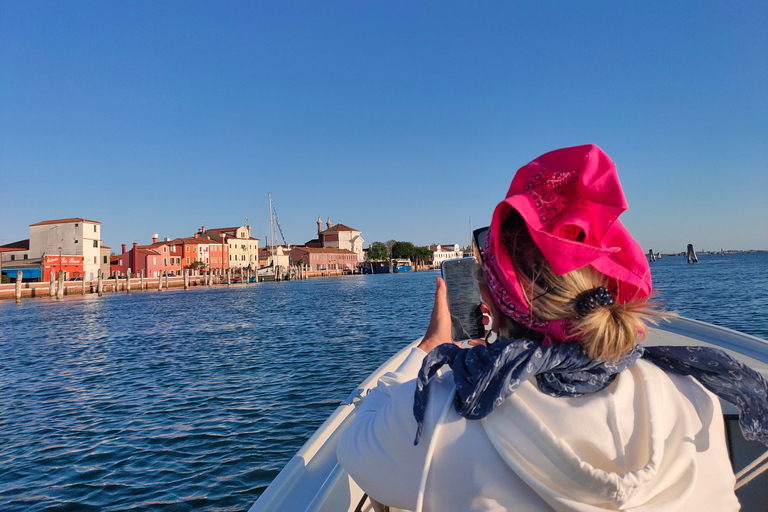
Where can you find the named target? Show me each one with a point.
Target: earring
(487, 320)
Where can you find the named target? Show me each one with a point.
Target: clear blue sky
(400, 119)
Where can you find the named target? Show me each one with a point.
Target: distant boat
(402, 265)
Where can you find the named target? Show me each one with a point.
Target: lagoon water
(195, 400)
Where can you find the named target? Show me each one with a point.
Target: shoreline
(37, 290)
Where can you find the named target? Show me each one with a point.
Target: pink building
(155, 260)
(326, 258)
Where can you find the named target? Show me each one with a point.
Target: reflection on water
(189, 400)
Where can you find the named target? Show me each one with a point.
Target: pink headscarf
(560, 195)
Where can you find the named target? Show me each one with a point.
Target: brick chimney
(154, 238)
(123, 248)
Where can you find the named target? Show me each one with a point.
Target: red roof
(340, 227)
(222, 230)
(64, 221)
(192, 240)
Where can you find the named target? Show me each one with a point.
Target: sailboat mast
(271, 230)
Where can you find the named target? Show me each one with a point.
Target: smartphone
(463, 298)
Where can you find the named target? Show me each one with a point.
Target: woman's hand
(439, 330)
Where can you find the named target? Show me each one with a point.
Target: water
(730, 291)
(195, 400)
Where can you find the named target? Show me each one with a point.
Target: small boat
(402, 265)
(313, 480)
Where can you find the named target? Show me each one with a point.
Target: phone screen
(463, 298)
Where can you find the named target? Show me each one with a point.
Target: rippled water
(185, 400)
(195, 400)
(730, 291)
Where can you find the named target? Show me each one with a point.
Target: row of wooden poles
(217, 276)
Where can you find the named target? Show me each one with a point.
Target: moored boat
(402, 265)
(313, 480)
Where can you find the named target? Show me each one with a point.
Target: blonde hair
(605, 332)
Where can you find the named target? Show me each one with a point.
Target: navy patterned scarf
(486, 376)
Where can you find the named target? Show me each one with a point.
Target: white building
(341, 237)
(281, 257)
(442, 252)
(76, 237)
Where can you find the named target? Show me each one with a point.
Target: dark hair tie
(588, 301)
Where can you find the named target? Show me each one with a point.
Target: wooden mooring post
(128, 281)
(19, 275)
(691, 254)
(141, 280)
(82, 285)
(166, 278)
(159, 281)
(186, 278)
(52, 287)
(60, 286)
(99, 284)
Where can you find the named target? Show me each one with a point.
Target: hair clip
(588, 301)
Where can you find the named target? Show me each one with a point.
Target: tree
(377, 251)
(423, 254)
(390, 243)
(403, 251)
(198, 265)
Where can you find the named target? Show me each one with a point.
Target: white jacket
(650, 441)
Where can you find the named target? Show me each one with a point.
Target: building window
(187, 261)
(26, 256)
(187, 251)
(13, 257)
(105, 259)
(94, 228)
(94, 259)
(95, 243)
(165, 261)
(165, 249)
(76, 240)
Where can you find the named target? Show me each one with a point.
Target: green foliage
(423, 254)
(300, 263)
(377, 251)
(403, 250)
(198, 265)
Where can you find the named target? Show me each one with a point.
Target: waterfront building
(241, 250)
(326, 258)
(104, 259)
(154, 260)
(76, 240)
(281, 256)
(339, 237)
(201, 249)
(442, 252)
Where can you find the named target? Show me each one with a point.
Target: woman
(560, 412)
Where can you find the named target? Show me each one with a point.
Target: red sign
(72, 266)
